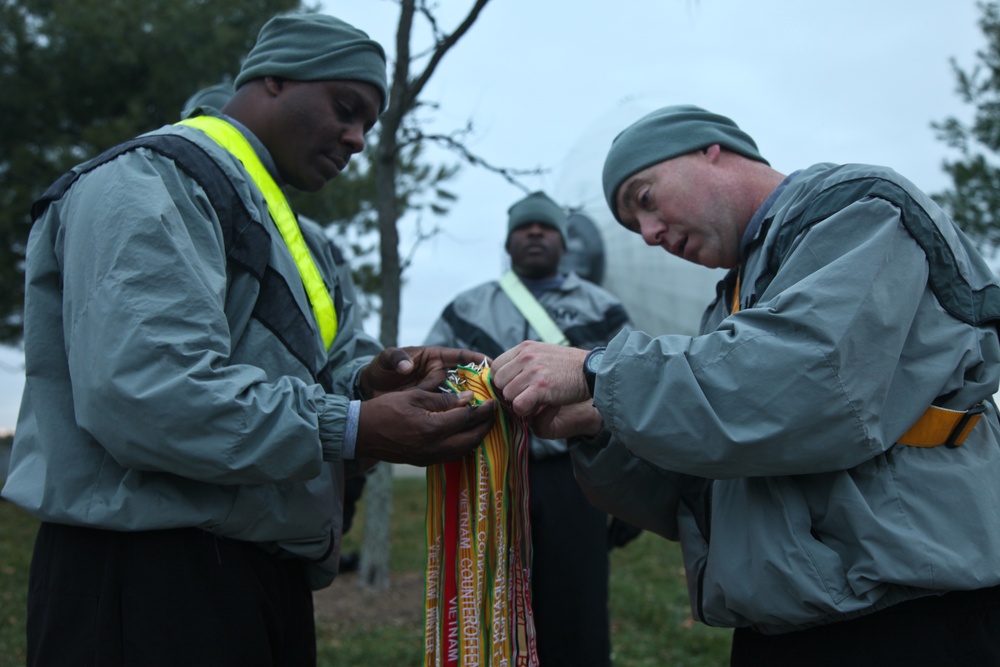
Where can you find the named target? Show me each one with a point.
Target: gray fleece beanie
(315, 47)
(537, 207)
(668, 133)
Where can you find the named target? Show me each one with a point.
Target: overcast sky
(852, 81)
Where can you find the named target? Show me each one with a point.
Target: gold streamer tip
(457, 379)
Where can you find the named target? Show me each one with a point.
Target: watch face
(594, 361)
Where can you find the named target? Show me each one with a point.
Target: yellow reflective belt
(941, 426)
(233, 141)
(736, 296)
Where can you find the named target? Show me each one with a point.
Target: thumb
(395, 359)
(383, 373)
(443, 401)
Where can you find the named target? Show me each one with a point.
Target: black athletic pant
(958, 629)
(101, 598)
(569, 571)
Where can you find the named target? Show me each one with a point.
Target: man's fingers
(395, 359)
(498, 369)
(461, 426)
(451, 357)
(455, 412)
(385, 370)
(514, 367)
(472, 424)
(524, 405)
(450, 408)
(506, 357)
(421, 427)
(543, 422)
(440, 401)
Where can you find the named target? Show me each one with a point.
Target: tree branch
(422, 236)
(428, 14)
(400, 98)
(449, 142)
(415, 87)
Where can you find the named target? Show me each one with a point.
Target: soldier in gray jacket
(196, 387)
(827, 451)
(569, 536)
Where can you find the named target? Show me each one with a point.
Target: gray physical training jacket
(175, 375)
(484, 319)
(768, 444)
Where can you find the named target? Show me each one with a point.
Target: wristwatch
(590, 366)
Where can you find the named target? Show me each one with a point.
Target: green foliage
(81, 76)
(974, 200)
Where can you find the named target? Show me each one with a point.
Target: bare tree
(397, 130)
(403, 99)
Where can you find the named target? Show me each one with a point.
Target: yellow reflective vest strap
(232, 140)
(532, 311)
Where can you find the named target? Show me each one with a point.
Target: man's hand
(566, 421)
(534, 375)
(406, 367)
(422, 427)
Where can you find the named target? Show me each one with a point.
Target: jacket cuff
(333, 424)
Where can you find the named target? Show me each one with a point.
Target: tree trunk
(374, 567)
(402, 99)
(388, 214)
(376, 546)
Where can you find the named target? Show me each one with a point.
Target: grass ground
(17, 535)
(651, 624)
